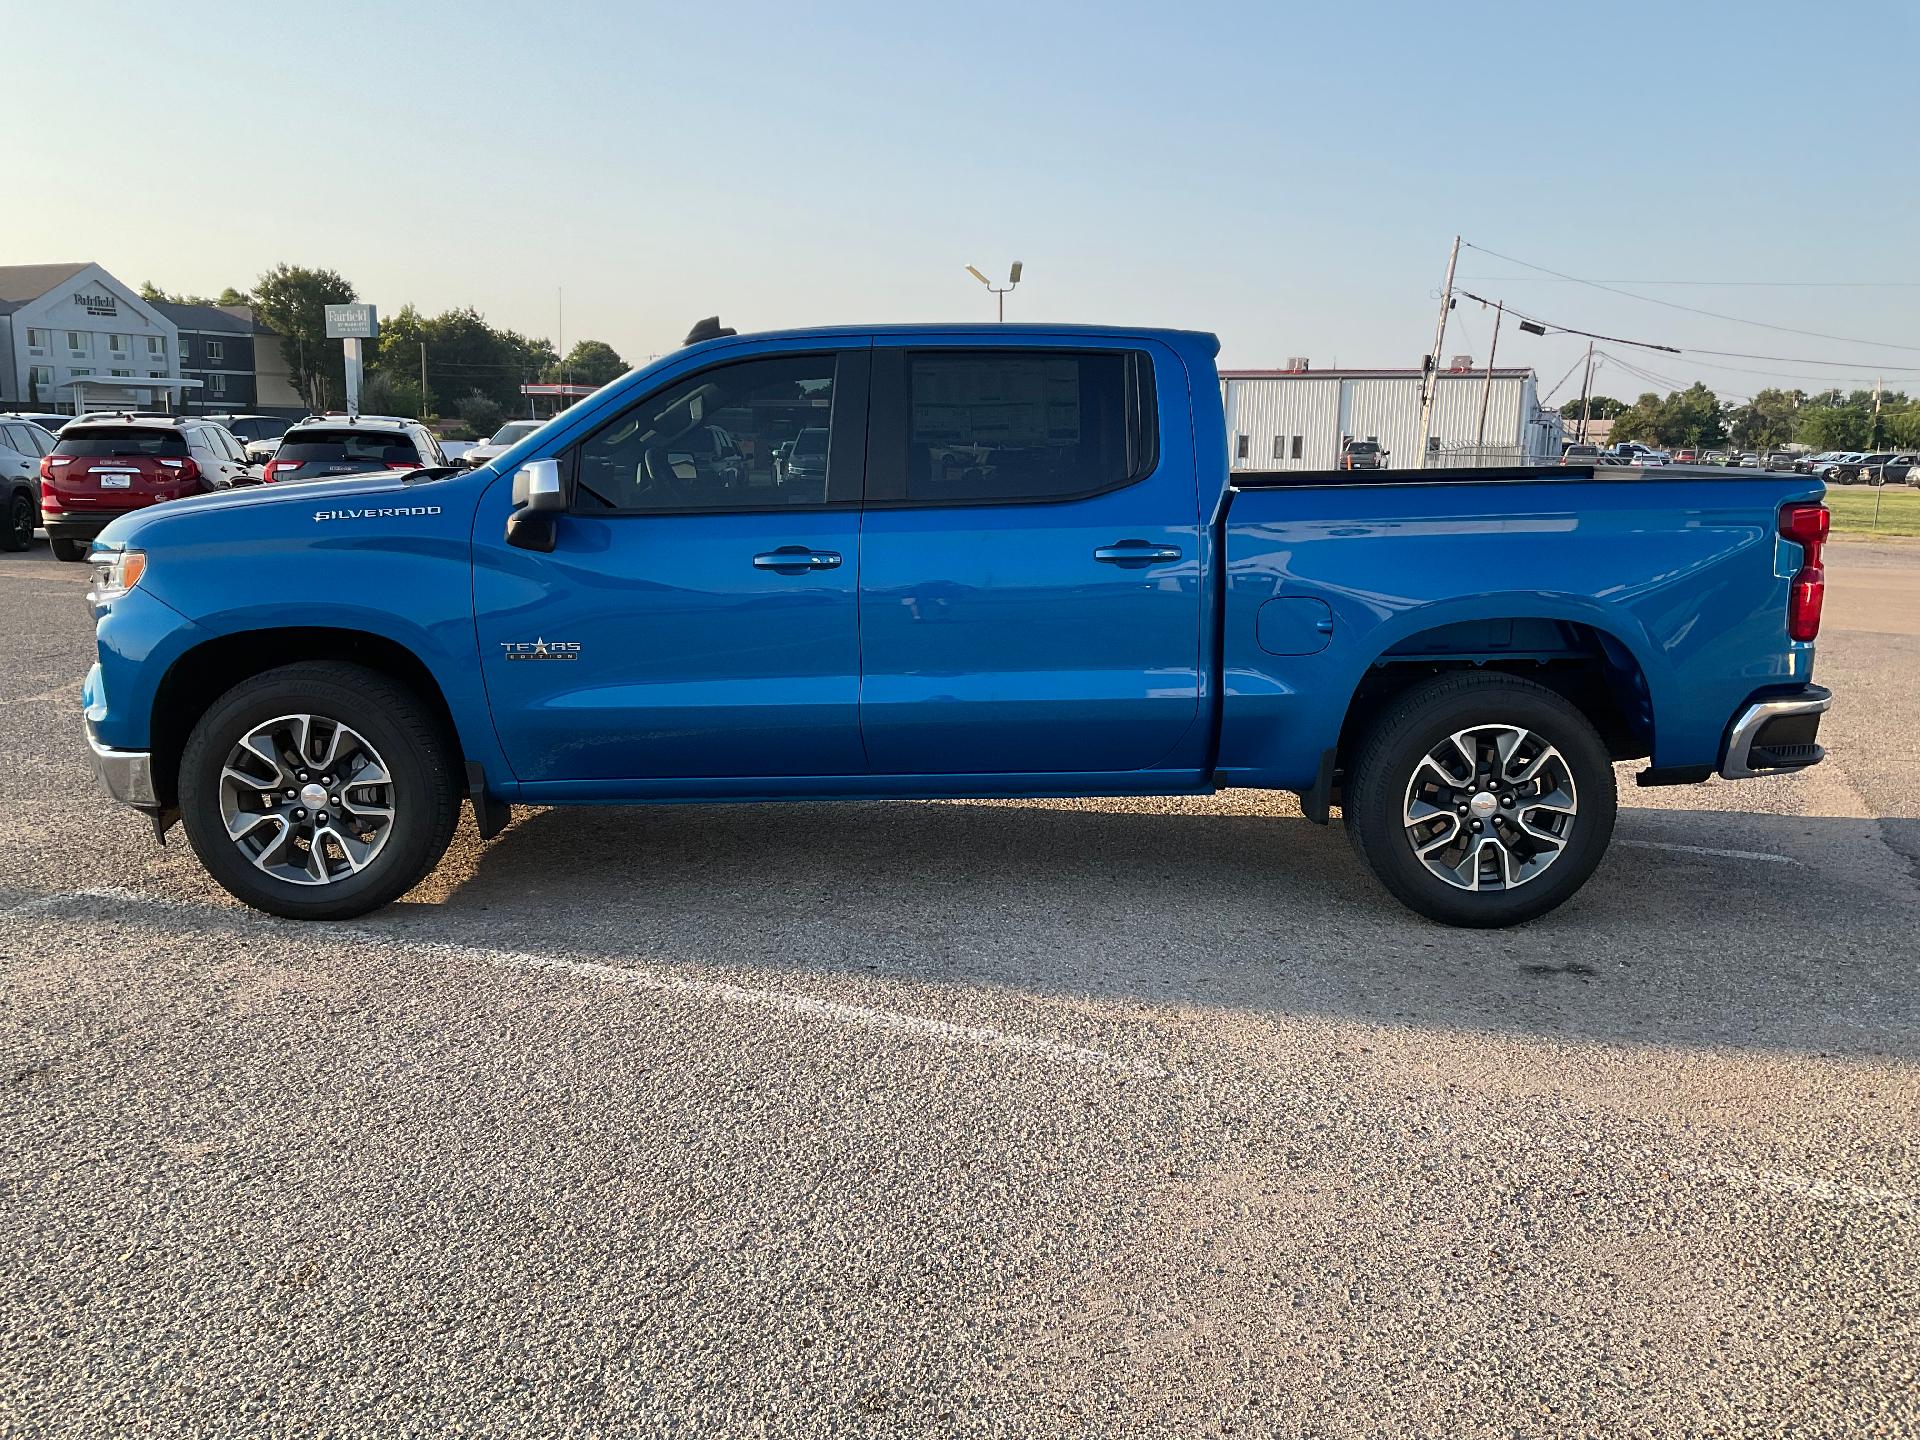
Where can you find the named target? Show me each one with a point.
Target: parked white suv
(324, 445)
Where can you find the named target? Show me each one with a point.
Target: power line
(1569, 330)
(1563, 379)
(1692, 309)
(1857, 366)
(1757, 284)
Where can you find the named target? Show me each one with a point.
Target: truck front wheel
(1481, 799)
(318, 791)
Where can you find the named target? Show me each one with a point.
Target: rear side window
(987, 426)
(384, 448)
(104, 444)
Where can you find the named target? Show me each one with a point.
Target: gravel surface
(1090, 1119)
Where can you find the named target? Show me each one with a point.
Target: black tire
(418, 755)
(19, 523)
(70, 549)
(1419, 719)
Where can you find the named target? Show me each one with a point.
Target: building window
(42, 376)
(217, 384)
(1298, 443)
(76, 342)
(216, 351)
(80, 372)
(37, 341)
(1239, 447)
(127, 373)
(157, 347)
(117, 346)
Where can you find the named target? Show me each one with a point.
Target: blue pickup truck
(945, 561)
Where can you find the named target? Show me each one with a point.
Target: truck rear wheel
(1481, 800)
(70, 549)
(318, 791)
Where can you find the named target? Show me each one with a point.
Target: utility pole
(1431, 382)
(1586, 395)
(1486, 390)
(425, 409)
(1873, 426)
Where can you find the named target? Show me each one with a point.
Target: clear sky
(1286, 175)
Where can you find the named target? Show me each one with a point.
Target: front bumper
(126, 775)
(1774, 735)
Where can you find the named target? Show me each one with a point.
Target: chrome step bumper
(1776, 735)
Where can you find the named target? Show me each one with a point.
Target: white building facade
(1298, 419)
(73, 338)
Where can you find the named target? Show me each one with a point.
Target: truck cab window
(747, 436)
(986, 426)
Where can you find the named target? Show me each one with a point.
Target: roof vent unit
(1460, 362)
(1298, 363)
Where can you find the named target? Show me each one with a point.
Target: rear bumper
(126, 775)
(1775, 734)
(79, 525)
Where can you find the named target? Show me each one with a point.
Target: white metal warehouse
(1297, 418)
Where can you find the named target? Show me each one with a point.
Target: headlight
(115, 572)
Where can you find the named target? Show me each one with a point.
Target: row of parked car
(73, 475)
(1836, 467)
(1855, 467)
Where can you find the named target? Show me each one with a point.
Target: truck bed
(1676, 577)
(1488, 475)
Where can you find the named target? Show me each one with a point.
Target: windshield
(513, 434)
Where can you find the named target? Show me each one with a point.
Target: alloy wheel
(1490, 807)
(307, 799)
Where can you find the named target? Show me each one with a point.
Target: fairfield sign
(100, 302)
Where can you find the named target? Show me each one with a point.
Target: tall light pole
(999, 291)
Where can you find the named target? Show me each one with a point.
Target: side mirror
(536, 487)
(538, 499)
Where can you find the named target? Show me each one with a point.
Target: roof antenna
(708, 329)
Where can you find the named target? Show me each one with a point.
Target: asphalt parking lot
(1052, 1118)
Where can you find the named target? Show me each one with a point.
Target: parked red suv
(101, 469)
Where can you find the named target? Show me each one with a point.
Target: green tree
(386, 394)
(1686, 417)
(292, 301)
(151, 291)
(1833, 427)
(589, 362)
(1767, 421)
(464, 355)
(1599, 407)
(482, 414)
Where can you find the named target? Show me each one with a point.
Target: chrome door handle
(796, 560)
(1136, 552)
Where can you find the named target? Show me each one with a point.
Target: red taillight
(278, 467)
(1806, 526)
(49, 502)
(46, 468)
(189, 470)
(403, 465)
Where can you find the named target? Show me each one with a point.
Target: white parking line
(1807, 1187)
(1710, 850)
(640, 978)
